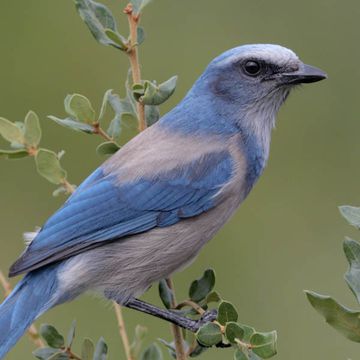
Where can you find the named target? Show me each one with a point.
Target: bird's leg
(171, 316)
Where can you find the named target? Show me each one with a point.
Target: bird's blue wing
(104, 208)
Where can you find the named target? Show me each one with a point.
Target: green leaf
(44, 353)
(226, 313)
(198, 350)
(152, 114)
(140, 35)
(59, 356)
(170, 347)
(71, 334)
(200, 288)
(158, 94)
(73, 125)
(114, 129)
(240, 355)
(48, 166)
(32, 130)
(52, 336)
(79, 107)
(248, 332)
(101, 350)
(234, 331)
(166, 294)
(351, 214)
(121, 106)
(153, 352)
(104, 104)
(107, 148)
(140, 334)
(116, 38)
(138, 91)
(209, 334)
(139, 5)
(344, 320)
(60, 190)
(98, 18)
(10, 132)
(213, 297)
(13, 154)
(264, 344)
(129, 128)
(352, 276)
(87, 350)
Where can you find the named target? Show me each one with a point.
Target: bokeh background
(286, 237)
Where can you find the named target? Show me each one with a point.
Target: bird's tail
(32, 296)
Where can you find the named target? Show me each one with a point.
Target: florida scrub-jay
(148, 210)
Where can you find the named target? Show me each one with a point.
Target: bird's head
(251, 73)
(252, 81)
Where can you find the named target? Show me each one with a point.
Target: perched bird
(149, 209)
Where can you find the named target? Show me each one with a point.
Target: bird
(148, 210)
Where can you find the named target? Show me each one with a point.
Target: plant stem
(193, 305)
(134, 60)
(32, 331)
(98, 130)
(122, 331)
(69, 188)
(177, 332)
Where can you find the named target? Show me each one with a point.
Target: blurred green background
(286, 237)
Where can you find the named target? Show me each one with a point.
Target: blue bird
(146, 212)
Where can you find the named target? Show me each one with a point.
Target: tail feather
(33, 295)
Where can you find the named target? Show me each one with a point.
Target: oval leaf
(152, 114)
(140, 35)
(166, 294)
(10, 132)
(209, 334)
(73, 125)
(227, 313)
(32, 130)
(352, 276)
(158, 94)
(107, 148)
(200, 288)
(153, 352)
(101, 350)
(116, 39)
(48, 166)
(248, 332)
(98, 18)
(351, 214)
(80, 108)
(52, 336)
(13, 154)
(44, 353)
(234, 331)
(264, 344)
(71, 334)
(87, 350)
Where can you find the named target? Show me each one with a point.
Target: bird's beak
(306, 74)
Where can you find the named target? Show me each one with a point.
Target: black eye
(252, 68)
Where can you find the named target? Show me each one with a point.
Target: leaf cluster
(225, 331)
(344, 320)
(58, 349)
